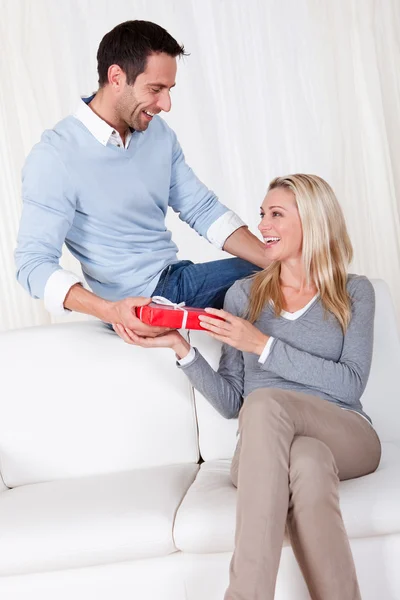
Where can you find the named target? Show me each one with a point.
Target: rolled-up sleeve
(197, 205)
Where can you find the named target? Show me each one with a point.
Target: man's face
(150, 94)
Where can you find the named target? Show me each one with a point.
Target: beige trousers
(292, 451)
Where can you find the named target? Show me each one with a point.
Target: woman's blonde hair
(326, 250)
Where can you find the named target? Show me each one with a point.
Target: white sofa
(102, 496)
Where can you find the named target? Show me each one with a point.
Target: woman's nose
(264, 224)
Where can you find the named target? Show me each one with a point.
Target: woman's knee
(263, 400)
(312, 468)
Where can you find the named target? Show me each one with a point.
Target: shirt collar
(101, 130)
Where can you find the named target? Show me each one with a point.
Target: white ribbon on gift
(165, 302)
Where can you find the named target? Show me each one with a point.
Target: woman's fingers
(220, 338)
(214, 328)
(120, 330)
(222, 325)
(219, 312)
(129, 336)
(223, 334)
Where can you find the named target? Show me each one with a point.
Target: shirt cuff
(57, 287)
(267, 348)
(223, 227)
(188, 358)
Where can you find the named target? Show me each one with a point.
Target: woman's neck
(293, 276)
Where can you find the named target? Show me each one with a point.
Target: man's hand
(122, 312)
(236, 332)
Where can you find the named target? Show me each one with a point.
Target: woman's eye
(276, 214)
(262, 215)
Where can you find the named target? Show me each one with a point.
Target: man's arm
(120, 312)
(49, 205)
(48, 211)
(83, 301)
(200, 208)
(244, 244)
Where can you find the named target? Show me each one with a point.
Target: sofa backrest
(76, 400)
(381, 399)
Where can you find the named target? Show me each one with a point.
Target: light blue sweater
(109, 205)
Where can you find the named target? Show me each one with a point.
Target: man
(102, 180)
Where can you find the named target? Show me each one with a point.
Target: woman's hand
(171, 339)
(236, 332)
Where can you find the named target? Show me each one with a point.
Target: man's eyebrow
(162, 85)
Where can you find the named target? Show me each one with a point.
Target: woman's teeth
(271, 240)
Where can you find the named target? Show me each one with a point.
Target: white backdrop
(271, 87)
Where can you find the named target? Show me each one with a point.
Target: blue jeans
(202, 284)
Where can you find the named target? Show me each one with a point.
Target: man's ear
(116, 78)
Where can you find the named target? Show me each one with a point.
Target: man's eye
(156, 90)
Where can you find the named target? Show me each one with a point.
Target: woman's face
(281, 226)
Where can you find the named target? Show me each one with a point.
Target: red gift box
(163, 313)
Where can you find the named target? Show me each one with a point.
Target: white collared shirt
(102, 131)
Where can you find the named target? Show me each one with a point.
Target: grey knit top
(309, 354)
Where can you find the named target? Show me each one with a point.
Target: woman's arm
(344, 380)
(223, 389)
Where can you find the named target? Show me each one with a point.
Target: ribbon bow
(177, 306)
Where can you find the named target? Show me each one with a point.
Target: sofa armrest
(3, 486)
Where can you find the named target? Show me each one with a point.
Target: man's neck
(101, 107)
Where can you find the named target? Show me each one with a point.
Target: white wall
(271, 87)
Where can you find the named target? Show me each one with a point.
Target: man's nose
(164, 102)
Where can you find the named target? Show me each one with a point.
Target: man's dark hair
(130, 44)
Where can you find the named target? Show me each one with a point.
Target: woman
(297, 346)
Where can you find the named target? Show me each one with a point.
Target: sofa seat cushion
(206, 519)
(91, 520)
